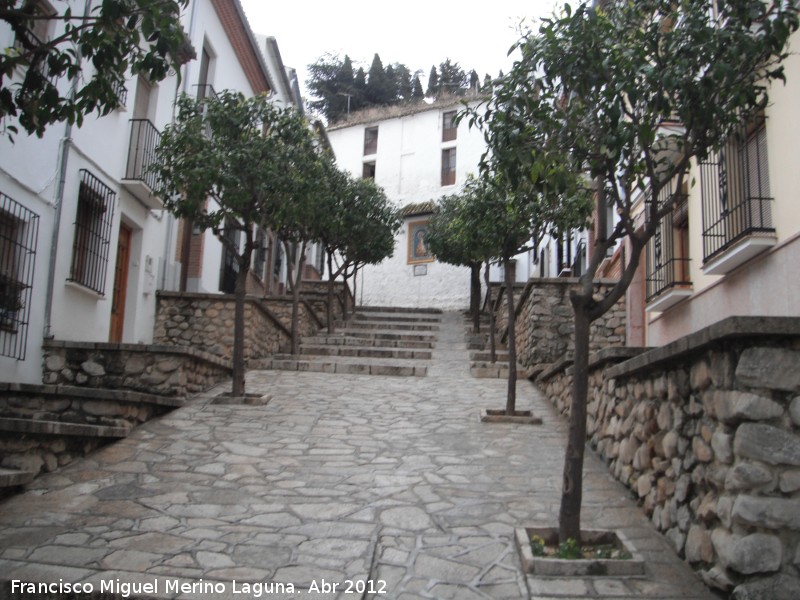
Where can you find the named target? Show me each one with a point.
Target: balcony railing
(736, 192)
(141, 157)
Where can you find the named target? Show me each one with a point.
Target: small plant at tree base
(537, 546)
(569, 550)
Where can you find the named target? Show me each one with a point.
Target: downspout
(63, 159)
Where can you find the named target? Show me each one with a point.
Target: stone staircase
(43, 427)
(481, 365)
(374, 341)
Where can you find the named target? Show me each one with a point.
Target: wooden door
(120, 284)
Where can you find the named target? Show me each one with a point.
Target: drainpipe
(63, 160)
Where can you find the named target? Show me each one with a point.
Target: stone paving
(390, 483)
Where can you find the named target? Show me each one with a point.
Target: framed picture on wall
(418, 249)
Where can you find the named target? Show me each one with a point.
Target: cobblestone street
(391, 483)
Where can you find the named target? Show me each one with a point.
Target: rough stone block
(722, 445)
(779, 587)
(698, 545)
(747, 476)
(734, 406)
(93, 369)
(771, 368)
(790, 482)
(794, 411)
(770, 513)
(55, 362)
(756, 553)
(768, 444)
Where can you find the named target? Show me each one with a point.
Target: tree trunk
(492, 343)
(511, 399)
(475, 296)
(295, 281)
(331, 284)
(355, 288)
(569, 524)
(238, 333)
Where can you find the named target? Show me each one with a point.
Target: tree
(359, 229)
(95, 51)
(452, 78)
(324, 80)
(227, 163)
(379, 87)
(613, 78)
(416, 90)
(474, 82)
(433, 84)
(455, 238)
(300, 220)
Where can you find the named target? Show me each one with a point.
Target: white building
(416, 154)
(84, 244)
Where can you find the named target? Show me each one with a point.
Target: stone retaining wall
(545, 322)
(151, 369)
(706, 432)
(48, 426)
(309, 322)
(205, 321)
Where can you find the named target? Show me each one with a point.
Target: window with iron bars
(667, 254)
(90, 248)
(736, 190)
(19, 232)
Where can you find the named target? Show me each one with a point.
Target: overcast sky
(417, 33)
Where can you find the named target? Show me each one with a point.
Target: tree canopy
(234, 163)
(337, 91)
(95, 52)
(631, 93)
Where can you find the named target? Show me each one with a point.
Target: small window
(449, 166)
(368, 172)
(370, 141)
(449, 127)
(92, 233)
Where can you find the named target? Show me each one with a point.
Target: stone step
(15, 477)
(337, 339)
(61, 428)
(390, 326)
(363, 351)
(501, 356)
(397, 318)
(383, 334)
(487, 370)
(399, 309)
(342, 366)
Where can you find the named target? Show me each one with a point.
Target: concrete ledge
(61, 428)
(87, 393)
(725, 330)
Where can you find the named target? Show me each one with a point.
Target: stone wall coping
(557, 367)
(609, 354)
(61, 428)
(88, 393)
(728, 329)
(142, 348)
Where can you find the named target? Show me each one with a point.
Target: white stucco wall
(30, 173)
(408, 165)
(769, 284)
